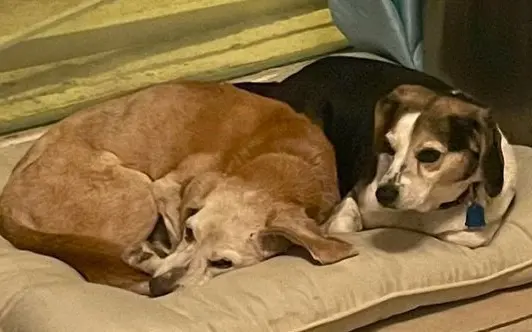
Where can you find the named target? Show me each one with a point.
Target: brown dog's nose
(166, 282)
(387, 194)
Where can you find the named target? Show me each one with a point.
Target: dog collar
(460, 200)
(475, 217)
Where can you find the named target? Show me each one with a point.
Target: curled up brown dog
(172, 185)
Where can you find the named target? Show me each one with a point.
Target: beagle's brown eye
(221, 263)
(428, 156)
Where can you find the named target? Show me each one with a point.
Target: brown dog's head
(228, 224)
(437, 145)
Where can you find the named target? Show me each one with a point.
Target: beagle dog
(173, 185)
(412, 152)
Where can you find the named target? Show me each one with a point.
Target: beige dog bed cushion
(396, 271)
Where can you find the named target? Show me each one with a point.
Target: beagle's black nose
(387, 194)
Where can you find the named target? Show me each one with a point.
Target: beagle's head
(435, 146)
(226, 223)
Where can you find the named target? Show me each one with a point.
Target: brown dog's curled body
(232, 176)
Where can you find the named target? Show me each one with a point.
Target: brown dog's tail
(98, 261)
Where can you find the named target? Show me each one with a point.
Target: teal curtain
(390, 28)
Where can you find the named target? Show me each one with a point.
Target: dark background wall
(484, 47)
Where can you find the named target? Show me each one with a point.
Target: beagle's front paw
(346, 218)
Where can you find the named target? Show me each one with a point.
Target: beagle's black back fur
(339, 94)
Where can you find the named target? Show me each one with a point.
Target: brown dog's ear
(178, 208)
(174, 201)
(294, 226)
(475, 123)
(195, 192)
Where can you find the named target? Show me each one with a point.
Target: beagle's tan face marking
(436, 145)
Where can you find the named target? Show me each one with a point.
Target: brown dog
(182, 181)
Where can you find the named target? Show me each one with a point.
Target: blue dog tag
(475, 216)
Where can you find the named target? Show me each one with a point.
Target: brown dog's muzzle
(166, 282)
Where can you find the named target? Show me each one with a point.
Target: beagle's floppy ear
(476, 123)
(295, 226)
(492, 160)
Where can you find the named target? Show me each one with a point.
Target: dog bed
(396, 271)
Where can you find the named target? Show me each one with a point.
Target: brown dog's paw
(143, 257)
(346, 218)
